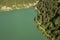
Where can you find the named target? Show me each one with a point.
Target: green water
(19, 25)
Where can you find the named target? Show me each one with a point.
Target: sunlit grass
(16, 4)
(12, 2)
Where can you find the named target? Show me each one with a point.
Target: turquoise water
(19, 25)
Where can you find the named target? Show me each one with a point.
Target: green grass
(18, 3)
(12, 2)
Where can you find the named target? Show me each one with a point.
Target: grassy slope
(12, 2)
(17, 3)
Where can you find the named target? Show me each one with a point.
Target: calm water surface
(19, 25)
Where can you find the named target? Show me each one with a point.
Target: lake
(19, 25)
